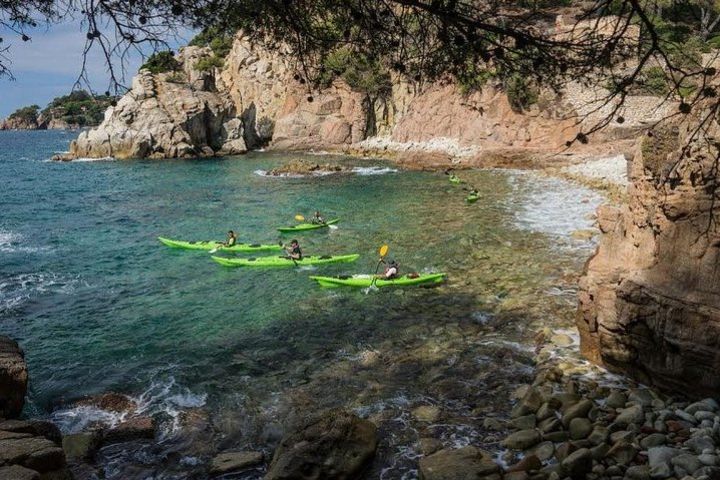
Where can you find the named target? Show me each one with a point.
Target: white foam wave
(18, 289)
(165, 399)
(169, 399)
(555, 207)
(12, 242)
(364, 171)
(373, 170)
(85, 417)
(87, 159)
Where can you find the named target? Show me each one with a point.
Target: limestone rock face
(335, 117)
(649, 299)
(13, 378)
(167, 115)
(333, 446)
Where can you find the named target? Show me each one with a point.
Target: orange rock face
(649, 299)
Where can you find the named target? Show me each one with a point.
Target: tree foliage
(161, 62)
(515, 41)
(27, 114)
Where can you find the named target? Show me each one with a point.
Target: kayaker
(231, 240)
(317, 219)
(474, 193)
(294, 251)
(392, 269)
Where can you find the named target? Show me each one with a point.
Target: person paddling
(294, 251)
(392, 269)
(317, 219)
(231, 240)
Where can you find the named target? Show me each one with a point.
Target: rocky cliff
(649, 302)
(168, 115)
(258, 99)
(29, 450)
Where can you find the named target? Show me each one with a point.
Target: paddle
(383, 251)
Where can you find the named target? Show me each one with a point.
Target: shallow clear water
(99, 305)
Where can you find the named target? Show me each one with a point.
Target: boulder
(81, 446)
(577, 410)
(227, 462)
(16, 472)
(34, 427)
(578, 464)
(35, 453)
(135, 428)
(623, 453)
(659, 461)
(522, 439)
(426, 413)
(580, 428)
(13, 378)
(467, 463)
(332, 445)
(630, 415)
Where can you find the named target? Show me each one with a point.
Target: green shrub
(357, 70)
(653, 81)
(79, 108)
(520, 92)
(160, 62)
(209, 63)
(26, 114)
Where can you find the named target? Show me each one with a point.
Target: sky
(48, 65)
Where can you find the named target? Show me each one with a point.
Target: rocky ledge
(29, 450)
(298, 167)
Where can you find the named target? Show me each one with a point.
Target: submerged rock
(467, 463)
(227, 462)
(332, 445)
(304, 167)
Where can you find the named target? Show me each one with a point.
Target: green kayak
(367, 280)
(238, 247)
(472, 198)
(454, 179)
(281, 261)
(301, 227)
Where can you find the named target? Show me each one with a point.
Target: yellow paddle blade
(299, 218)
(383, 250)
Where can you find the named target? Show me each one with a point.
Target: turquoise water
(99, 305)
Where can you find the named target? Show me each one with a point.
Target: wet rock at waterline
(28, 449)
(228, 462)
(467, 463)
(299, 167)
(330, 445)
(13, 378)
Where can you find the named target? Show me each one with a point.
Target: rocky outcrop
(335, 445)
(167, 115)
(649, 303)
(258, 99)
(21, 123)
(28, 449)
(13, 378)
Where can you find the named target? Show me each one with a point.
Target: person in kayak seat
(392, 270)
(294, 251)
(231, 240)
(317, 219)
